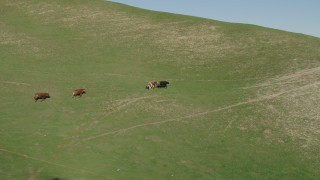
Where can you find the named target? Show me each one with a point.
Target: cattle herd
(43, 96)
(80, 92)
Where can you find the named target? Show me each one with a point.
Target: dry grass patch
(25, 43)
(297, 109)
(180, 36)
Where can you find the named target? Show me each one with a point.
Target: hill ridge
(241, 103)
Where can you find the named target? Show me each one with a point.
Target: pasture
(242, 102)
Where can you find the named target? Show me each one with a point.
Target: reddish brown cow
(41, 96)
(78, 92)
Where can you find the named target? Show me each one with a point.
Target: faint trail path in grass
(218, 80)
(292, 78)
(262, 98)
(15, 83)
(117, 105)
(51, 163)
(145, 81)
(179, 119)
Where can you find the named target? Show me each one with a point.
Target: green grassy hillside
(242, 101)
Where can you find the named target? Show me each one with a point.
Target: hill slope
(242, 100)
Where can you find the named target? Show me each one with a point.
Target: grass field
(242, 101)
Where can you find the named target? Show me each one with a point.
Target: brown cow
(41, 96)
(78, 92)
